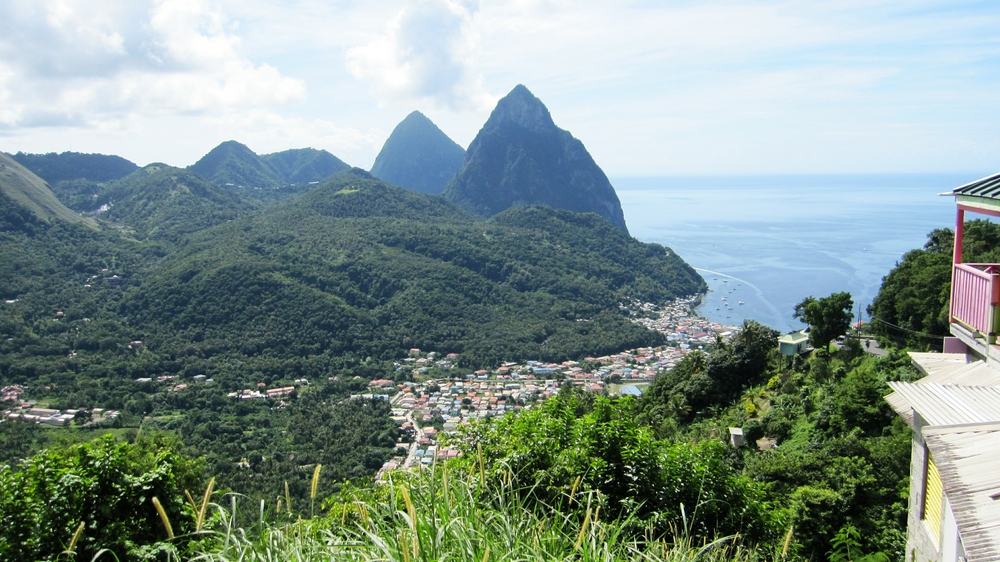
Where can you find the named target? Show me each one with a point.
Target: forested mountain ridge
(234, 163)
(265, 177)
(520, 157)
(360, 268)
(304, 165)
(418, 156)
(24, 191)
(356, 268)
(68, 166)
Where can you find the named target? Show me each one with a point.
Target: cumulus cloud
(65, 58)
(427, 52)
(268, 131)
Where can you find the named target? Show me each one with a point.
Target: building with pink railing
(975, 289)
(954, 411)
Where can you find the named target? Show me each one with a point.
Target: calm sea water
(771, 241)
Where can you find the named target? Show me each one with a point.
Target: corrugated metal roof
(966, 458)
(988, 187)
(932, 363)
(940, 404)
(901, 407)
(976, 373)
(794, 338)
(942, 369)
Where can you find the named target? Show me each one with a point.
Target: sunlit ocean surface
(771, 241)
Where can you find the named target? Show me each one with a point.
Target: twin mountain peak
(519, 158)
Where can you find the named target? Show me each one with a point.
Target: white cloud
(649, 87)
(267, 131)
(427, 52)
(101, 60)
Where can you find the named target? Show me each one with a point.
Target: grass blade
(204, 505)
(163, 517)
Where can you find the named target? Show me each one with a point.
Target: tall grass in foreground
(430, 516)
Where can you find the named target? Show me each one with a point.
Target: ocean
(770, 241)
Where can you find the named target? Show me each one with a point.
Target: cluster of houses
(684, 329)
(262, 391)
(420, 365)
(168, 378)
(456, 401)
(11, 393)
(417, 408)
(512, 386)
(27, 411)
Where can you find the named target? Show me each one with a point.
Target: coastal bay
(771, 241)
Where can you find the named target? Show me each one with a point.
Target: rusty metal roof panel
(901, 407)
(966, 458)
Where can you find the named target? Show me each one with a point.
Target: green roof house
(793, 343)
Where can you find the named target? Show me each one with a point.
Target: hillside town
(431, 408)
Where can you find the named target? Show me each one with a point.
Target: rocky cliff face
(520, 157)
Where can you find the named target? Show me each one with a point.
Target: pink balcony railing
(975, 292)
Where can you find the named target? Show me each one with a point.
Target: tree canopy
(828, 317)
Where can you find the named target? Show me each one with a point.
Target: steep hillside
(304, 165)
(165, 203)
(360, 268)
(418, 156)
(25, 190)
(520, 157)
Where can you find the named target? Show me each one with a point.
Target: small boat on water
(741, 302)
(724, 298)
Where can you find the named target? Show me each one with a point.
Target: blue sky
(651, 88)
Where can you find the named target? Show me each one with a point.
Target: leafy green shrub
(555, 455)
(107, 487)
